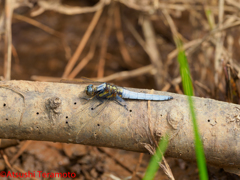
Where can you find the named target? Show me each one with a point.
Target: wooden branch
(55, 112)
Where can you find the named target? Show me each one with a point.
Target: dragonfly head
(89, 90)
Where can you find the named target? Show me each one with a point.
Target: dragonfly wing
(81, 80)
(72, 81)
(96, 108)
(90, 80)
(92, 106)
(92, 109)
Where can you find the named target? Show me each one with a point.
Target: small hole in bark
(6, 118)
(37, 113)
(130, 110)
(66, 117)
(75, 103)
(161, 115)
(98, 124)
(66, 122)
(37, 127)
(208, 120)
(4, 104)
(92, 109)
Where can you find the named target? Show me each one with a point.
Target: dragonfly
(103, 93)
(111, 92)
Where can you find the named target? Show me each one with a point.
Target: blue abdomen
(126, 94)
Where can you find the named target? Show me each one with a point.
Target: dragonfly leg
(121, 102)
(85, 98)
(101, 102)
(88, 99)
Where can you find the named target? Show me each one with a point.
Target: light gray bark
(55, 112)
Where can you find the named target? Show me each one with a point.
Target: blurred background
(126, 42)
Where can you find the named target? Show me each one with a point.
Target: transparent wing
(99, 119)
(81, 80)
(94, 106)
(93, 110)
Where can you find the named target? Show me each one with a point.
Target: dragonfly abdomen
(126, 94)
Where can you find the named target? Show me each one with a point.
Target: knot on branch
(55, 104)
(54, 108)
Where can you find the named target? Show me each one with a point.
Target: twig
(21, 150)
(233, 3)
(138, 164)
(104, 44)
(113, 177)
(202, 86)
(166, 87)
(6, 143)
(38, 24)
(171, 23)
(206, 37)
(117, 76)
(117, 161)
(135, 33)
(91, 52)
(118, 26)
(174, 31)
(153, 51)
(9, 4)
(46, 29)
(219, 45)
(15, 54)
(45, 78)
(67, 49)
(127, 74)
(6, 160)
(136, 6)
(82, 44)
(58, 7)
(83, 62)
(197, 5)
(174, 53)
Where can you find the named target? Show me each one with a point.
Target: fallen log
(55, 112)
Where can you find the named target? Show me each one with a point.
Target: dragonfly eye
(89, 90)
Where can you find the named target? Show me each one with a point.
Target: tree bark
(55, 112)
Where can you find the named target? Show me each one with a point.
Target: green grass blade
(155, 159)
(188, 90)
(210, 18)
